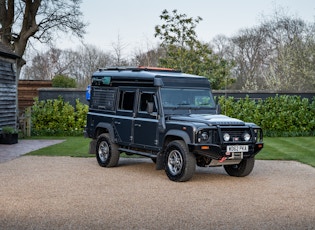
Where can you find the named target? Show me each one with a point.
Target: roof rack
(139, 68)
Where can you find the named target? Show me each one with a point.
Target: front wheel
(107, 153)
(244, 168)
(180, 164)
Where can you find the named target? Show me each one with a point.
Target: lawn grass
(300, 149)
(72, 146)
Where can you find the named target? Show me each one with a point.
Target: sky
(133, 21)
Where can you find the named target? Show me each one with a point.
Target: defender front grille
(236, 135)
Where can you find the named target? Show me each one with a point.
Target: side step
(157, 157)
(138, 152)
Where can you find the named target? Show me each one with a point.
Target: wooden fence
(28, 90)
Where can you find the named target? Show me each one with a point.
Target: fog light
(226, 137)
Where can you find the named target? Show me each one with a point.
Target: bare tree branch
(22, 20)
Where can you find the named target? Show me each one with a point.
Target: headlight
(226, 137)
(204, 136)
(246, 136)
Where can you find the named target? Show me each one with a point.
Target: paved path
(10, 152)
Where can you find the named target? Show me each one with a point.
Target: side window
(145, 99)
(126, 100)
(103, 98)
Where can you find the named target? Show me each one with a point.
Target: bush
(278, 116)
(56, 117)
(61, 81)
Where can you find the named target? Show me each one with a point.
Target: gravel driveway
(75, 193)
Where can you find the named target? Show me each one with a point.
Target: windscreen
(176, 98)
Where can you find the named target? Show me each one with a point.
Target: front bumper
(218, 152)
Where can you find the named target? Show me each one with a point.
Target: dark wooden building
(8, 87)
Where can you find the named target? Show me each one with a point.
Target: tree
(46, 65)
(251, 55)
(178, 36)
(291, 65)
(147, 55)
(147, 58)
(88, 59)
(277, 55)
(22, 20)
(62, 81)
(185, 52)
(78, 64)
(118, 48)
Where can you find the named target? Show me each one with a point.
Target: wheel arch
(103, 127)
(172, 135)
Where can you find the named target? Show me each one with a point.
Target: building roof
(5, 51)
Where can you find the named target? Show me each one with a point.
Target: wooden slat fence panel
(28, 90)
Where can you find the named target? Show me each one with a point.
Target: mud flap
(159, 161)
(92, 147)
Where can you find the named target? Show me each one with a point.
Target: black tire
(180, 164)
(242, 169)
(107, 153)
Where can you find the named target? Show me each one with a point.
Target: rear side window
(126, 100)
(103, 98)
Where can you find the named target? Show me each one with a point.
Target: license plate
(237, 148)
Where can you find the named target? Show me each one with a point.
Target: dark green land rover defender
(170, 117)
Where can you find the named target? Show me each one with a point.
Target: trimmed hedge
(57, 117)
(278, 116)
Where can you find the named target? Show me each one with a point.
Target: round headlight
(205, 136)
(246, 136)
(226, 137)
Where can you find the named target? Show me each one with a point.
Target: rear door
(124, 119)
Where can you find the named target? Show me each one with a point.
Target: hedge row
(57, 117)
(278, 116)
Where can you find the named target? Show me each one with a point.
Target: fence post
(28, 126)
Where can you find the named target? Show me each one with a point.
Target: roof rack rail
(119, 68)
(139, 68)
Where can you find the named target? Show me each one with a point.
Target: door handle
(137, 125)
(116, 122)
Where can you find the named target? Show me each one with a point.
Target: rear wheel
(180, 164)
(107, 153)
(244, 168)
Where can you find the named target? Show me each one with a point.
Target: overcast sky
(134, 21)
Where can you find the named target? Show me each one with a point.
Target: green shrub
(56, 117)
(8, 130)
(61, 81)
(278, 116)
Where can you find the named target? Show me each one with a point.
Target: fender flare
(178, 133)
(106, 126)
(160, 163)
